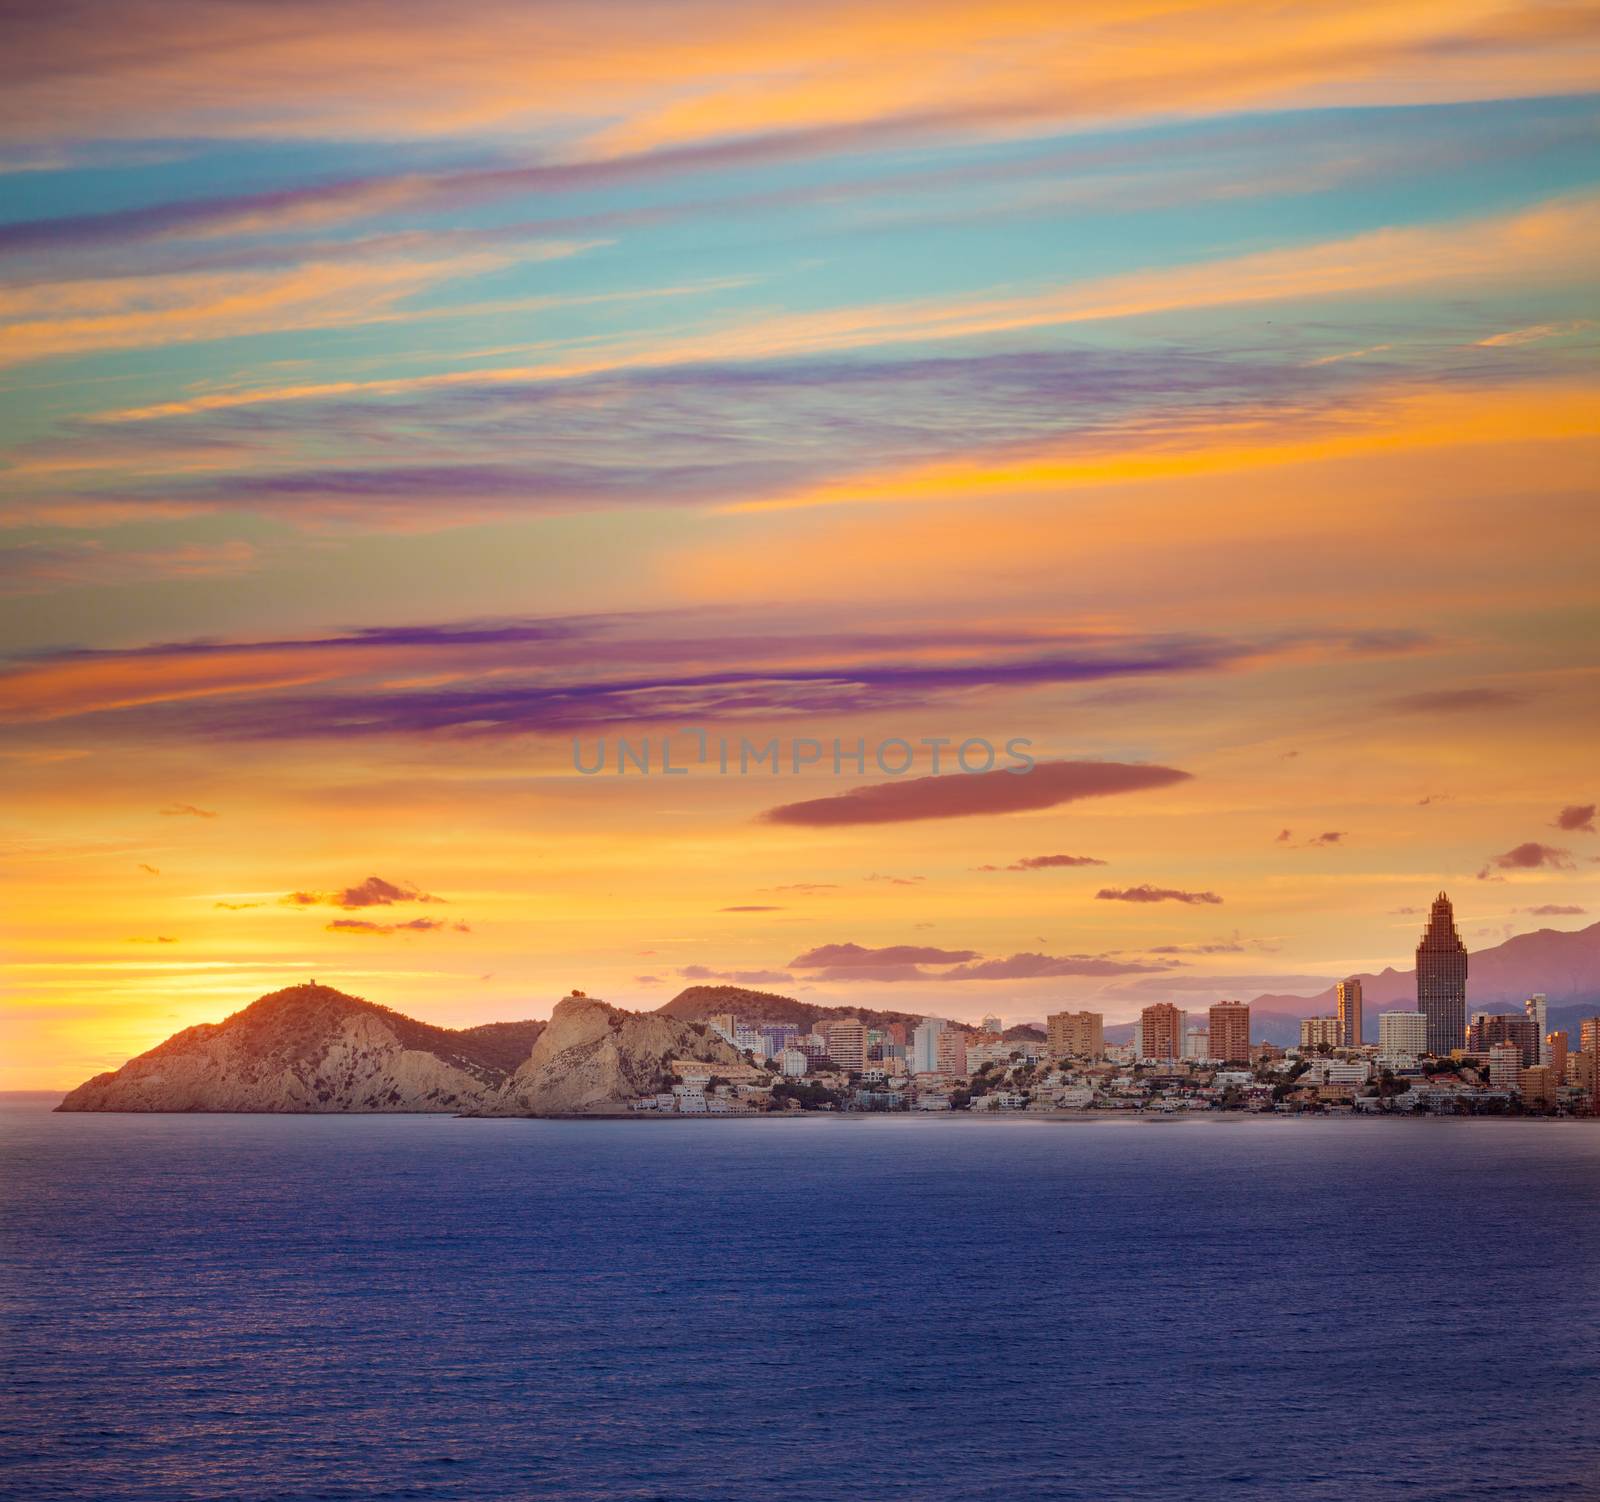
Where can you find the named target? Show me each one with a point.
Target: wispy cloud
(830, 78)
(1148, 893)
(412, 926)
(962, 795)
(1046, 863)
(373, 892)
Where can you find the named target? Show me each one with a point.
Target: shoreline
(1081, 1118)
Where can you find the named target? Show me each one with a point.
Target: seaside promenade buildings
(974, 1070)
(1442, 979)
(1504, 1062)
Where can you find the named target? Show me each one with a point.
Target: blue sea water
(211, 1307)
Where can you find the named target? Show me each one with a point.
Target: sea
(419, 1307)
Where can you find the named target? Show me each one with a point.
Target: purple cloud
(1528, 856)
(1576, 818)
(415, 925)
(1147, 893)
(373, 892)
(1048, 862)
(961, 795)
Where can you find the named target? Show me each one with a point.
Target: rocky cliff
(311, 1048)
(591, 1055)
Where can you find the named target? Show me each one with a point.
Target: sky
(401, 403)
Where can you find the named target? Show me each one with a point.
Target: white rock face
(592, 1056)
(307, 1049)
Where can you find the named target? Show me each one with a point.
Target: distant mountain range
(1564, 966)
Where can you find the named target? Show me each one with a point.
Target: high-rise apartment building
(1402, 1035)
(1230, 1032)
(1349, 997)
(952, 1052)
(925, 1045)
(1536, 1010)
(1556, 1053)
(1442, 979)
(846, 1038)
(1076, 1035)
(1589, 1036)
(1161, 1032)
(1315, 1031)
(1505, 1065)
(1489, 1028)
(992, 1024)
(1538, 1085)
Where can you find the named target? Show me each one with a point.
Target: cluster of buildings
(1430, 1059)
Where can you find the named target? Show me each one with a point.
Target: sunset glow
(393, 396)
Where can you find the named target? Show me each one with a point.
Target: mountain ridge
(311, 1048)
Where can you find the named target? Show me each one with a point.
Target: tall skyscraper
(1536, 1010)
(1230, 1032)
(1349, 993)
(1442, 979)
(1161, 1032)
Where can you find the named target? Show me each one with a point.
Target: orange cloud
(709, 69)
(1389, 421)
(75, 317)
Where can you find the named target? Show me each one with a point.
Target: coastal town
(1437, 1059)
